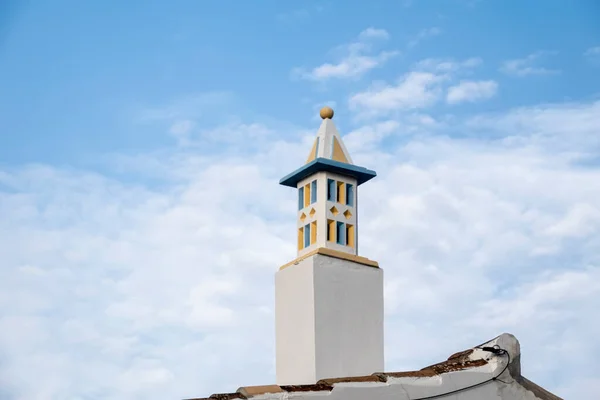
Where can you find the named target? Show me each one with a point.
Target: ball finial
(326, 112)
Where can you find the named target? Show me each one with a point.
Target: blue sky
(74, 75)
(141, 142)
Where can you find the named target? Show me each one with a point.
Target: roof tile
(250, 391)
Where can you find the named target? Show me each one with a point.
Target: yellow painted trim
(313, 232)
(350, 235)
(335, 254)
(313, 152)
(331, 225)
(306, 195)
(338, 153)
(300, 238)
(341, 192)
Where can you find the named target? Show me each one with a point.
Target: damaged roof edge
(464, 360)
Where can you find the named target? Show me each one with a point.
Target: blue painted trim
(331, 189)
(313, 192)
(301, 198)
(349, 194)
(306, 235)
(341, 233)
(361, 174)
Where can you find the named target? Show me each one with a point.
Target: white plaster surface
(295, 323)
(348, 318)
(329, 320)
(327, 131)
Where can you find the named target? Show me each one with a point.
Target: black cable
(496, 350)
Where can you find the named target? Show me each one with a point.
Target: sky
(141, 220)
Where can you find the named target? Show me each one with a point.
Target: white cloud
(352, 66)
(580, 221)
(580, 388)
(113, 288)
(181, 130)
(414, 90)
(527, 66)
(548, 126)
(374, 33)
(593, 55)
(592, 52)
(424, 34)
(370, 135)
(471, 91)
(447, 65)
(357, 60)
(421, 88)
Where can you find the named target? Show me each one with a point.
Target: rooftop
(489, 371)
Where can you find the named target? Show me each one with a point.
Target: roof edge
(361, 174)
(475, 358)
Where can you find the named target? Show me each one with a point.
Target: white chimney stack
(329, 300)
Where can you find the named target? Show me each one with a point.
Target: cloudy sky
(141, 220)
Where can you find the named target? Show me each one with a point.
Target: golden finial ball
(326, 113)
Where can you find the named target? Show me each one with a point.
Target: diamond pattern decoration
(347, 214)
(312, 212)
(334, 210)
(302, 217)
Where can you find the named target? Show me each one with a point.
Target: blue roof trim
(361, 174)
